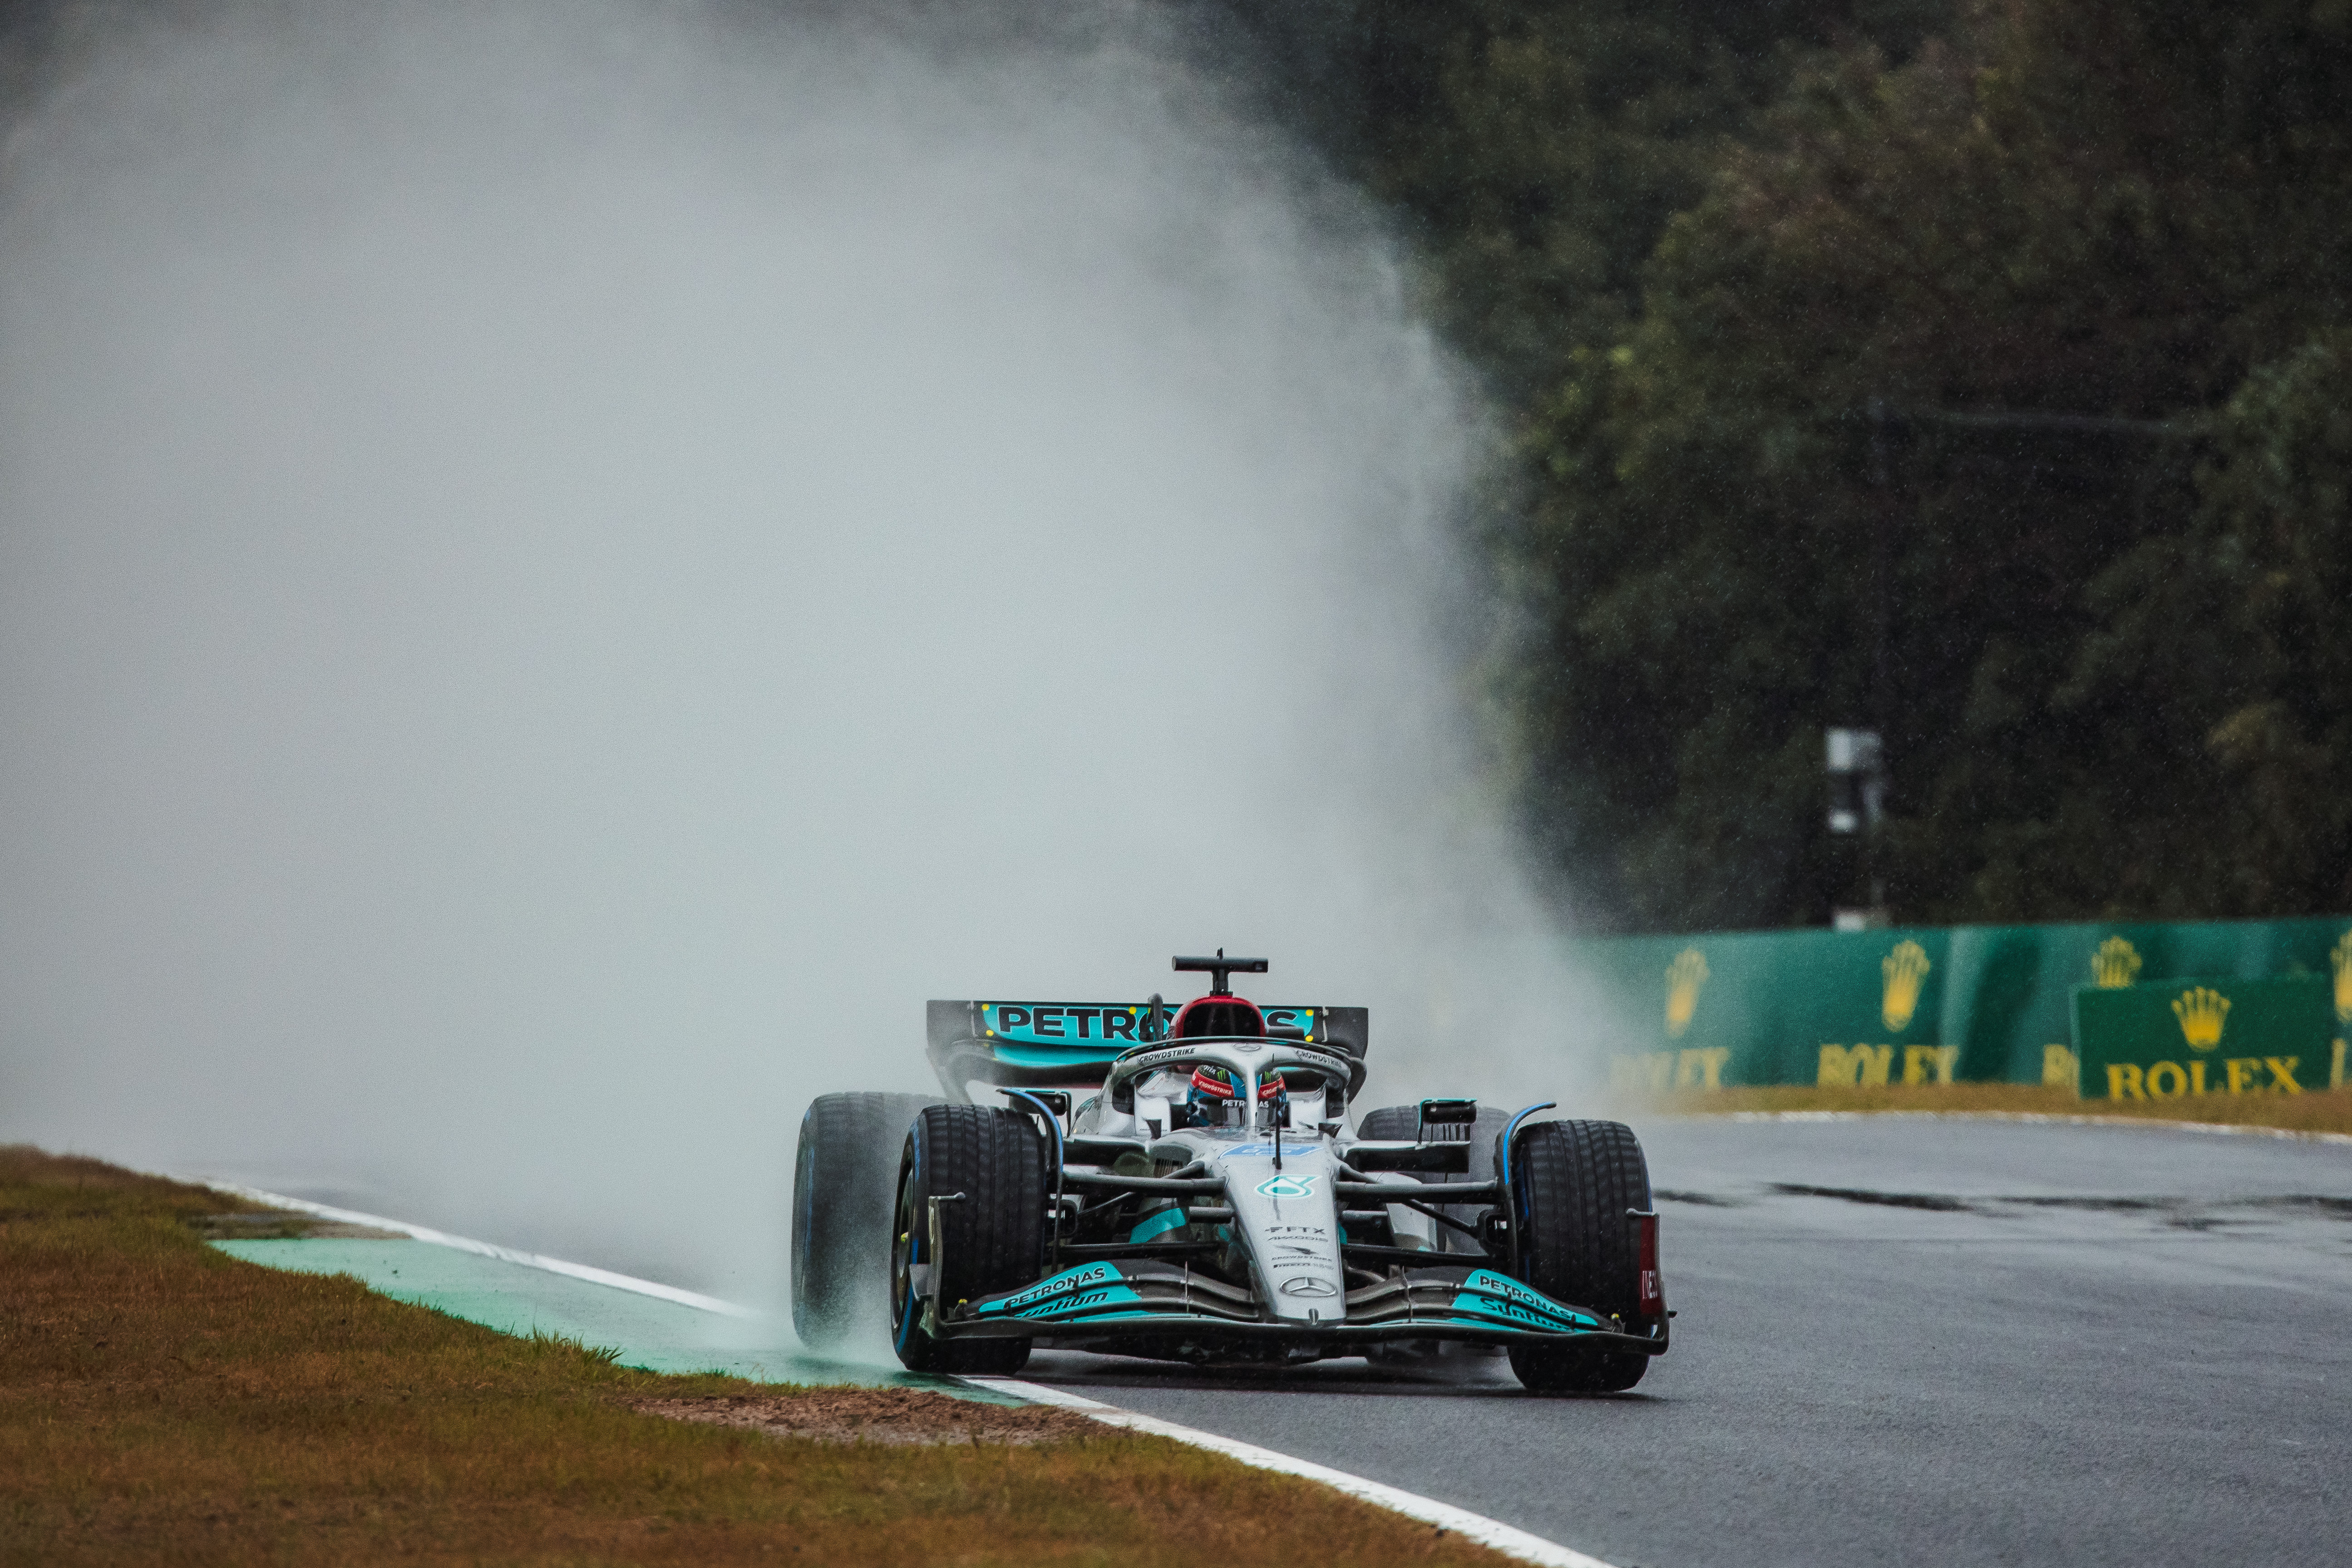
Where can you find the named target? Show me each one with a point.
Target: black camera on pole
(1857, 768)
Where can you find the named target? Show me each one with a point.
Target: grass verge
(163, 1402)
(2324, 1111)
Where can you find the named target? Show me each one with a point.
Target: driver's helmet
(1213, 1085)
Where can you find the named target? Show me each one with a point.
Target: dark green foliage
(1535, 151)
(2232, 632)
(1694, 245)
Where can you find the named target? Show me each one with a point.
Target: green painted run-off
(649, 1332)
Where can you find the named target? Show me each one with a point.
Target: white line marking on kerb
(484, 1249)
(1478, 1527)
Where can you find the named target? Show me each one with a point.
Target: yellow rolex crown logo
(1684, 975)
(2342, 958)
(1905, 969)
(2116, 963)
(2202, 1014)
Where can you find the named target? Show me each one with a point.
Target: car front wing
(1141, 1299)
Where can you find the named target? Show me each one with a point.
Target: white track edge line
(483, 1248)
(1506, 1539)
(2044, 1117)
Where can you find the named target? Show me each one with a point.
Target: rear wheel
(1572, 1182)
(844, 1182)
(988, 1168)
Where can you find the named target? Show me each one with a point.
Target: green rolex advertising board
(1930, 1004)
(1796, 1007)
(2203, 1037)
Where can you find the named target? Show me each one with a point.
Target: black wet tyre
(1402, 1124)
(845, 1180)
(991, 1237)
(1572, 1184)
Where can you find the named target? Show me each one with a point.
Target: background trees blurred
(2086, 258)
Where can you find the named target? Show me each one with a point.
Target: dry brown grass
(876, 1416)
(2311, 1112)
(162, 1403)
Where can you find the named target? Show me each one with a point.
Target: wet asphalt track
(2076, 1345)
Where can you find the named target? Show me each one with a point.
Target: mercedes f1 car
(1190, 1184)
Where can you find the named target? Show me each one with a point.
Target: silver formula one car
(1189, 1183)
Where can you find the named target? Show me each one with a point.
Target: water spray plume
(566, 566)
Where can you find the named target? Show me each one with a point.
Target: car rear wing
(1067, 1044)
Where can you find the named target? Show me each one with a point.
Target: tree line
(1979, 371)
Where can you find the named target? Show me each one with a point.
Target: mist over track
(563, 567)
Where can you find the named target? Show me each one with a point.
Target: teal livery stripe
(1060, 1285)
(1490, 1284)
(1495, 1307)
(1107, 1028)
(1072, 1055)
(1166, 1220)
(1091, 1302)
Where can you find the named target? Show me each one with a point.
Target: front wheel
(987, 1168)
(1572, 1184)
(843, 1184)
